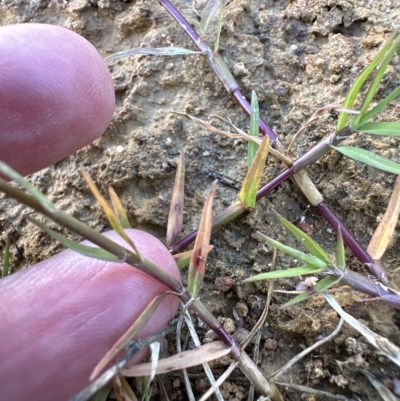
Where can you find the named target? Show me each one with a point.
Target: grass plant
(316, 260)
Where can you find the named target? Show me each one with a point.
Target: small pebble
(206, 153)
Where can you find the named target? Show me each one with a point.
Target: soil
(298, 56)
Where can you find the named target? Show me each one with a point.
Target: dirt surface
(298, 56)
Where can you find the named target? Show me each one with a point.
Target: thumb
(59, 318)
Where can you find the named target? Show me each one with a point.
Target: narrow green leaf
(298, 298)
(221, 16)
(340, 253)
(296, 271)
(6, 261)
(254, 129)
(11, 174)
(321, 286)
(118, 208)
(308, 259)
(247, 195)
(376, 80)
(389, 128)
(380, 106)
(207, 15)
(183, 259)
(150, 51)
(326, 283)
(85, 250)
(305, 240)
(355, 89)
(372, 159)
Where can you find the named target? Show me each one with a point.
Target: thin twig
(206, 366)
(302, 354)
(255, 359)
(186, 380)
(313, 391)
(219, 382)
(264, 315)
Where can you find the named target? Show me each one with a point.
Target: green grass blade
(6, 261)
(85, 250)
(340, 253)
(299, 298)
(183, 259)
(380, 106)
(376, 80)
(296, 271)
(254, 128)
(389, 128)
(305, 240)
(321, 286)
(355, 89)
(221, 16)
(207, 15)
(325, 283)
(308, 259)
(370, 158)
(8, 172)
(247, 195)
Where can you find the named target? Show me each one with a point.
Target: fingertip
(56, 95)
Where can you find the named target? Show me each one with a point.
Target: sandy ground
(298, 56)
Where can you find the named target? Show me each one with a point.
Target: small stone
(206, 153)
(229, 325)
(240, 335)
(224, 284)
(241, 309)
(310, 281)
(270, 344)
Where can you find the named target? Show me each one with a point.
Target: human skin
(59, 317)
(56, 95)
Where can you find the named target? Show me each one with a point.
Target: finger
(60, 317)
(56, 95)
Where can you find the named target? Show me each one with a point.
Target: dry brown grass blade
(219, 382)
(314, 118)
(175, 217)
(128, 335)
(122, 390)
(206, 366)
(384, 233)
(183, 360)
(118, 208)
(200, 250)
(382, 390)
